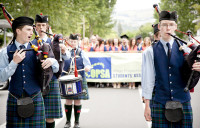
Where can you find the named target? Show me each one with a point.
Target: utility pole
(4, 37)
(83, 26)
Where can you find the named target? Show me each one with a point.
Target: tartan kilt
(52, 101)
(84, 96)
(35, 121)
(159, 120)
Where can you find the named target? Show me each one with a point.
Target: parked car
(4, 85)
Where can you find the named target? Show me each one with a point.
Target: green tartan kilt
(84, 96)
(159, 120)
(35, 121)
(52, 101)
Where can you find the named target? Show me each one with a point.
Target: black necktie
(22, 47)
(169, 50)
(72, 54)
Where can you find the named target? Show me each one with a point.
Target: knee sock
(68, 111)
(77, 111)
(50, 125)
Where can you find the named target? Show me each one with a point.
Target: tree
(145, 30)
(197, 8)
(66, 15)
(120, 30)
(186, 13)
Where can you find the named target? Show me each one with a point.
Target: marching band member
(24, 85)
(156, 34)
(52, 100)
(82, 62)
(163, 62)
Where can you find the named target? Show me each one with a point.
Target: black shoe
(76, 125)
(68, 124)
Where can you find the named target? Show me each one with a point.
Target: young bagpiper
(52, 100)
(82, 62)
(25, 105)
(171, 106)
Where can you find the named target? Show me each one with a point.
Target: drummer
(82, 62)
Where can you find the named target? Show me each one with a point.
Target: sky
(122, 5)
(133, 13)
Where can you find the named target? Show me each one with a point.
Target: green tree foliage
(197, 8)
(66, 15)
(144, 30)
(186, 13)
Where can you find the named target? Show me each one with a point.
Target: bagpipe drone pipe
(190, 76)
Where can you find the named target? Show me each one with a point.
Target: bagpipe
(43, 51)
(190, 76)
(57, 39)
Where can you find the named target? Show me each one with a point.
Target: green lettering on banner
(102, 73)
(107, 74)
(97, 73)
(92, 73)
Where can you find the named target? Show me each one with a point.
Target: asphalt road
(110, 108)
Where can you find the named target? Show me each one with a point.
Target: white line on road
(3, 125)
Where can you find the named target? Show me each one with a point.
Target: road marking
(140, 92)
(3, 125)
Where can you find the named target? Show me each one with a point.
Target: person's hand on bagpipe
(19, 56)
(196, 66)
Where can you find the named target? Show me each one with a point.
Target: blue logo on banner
(101, 68)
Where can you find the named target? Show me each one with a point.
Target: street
(110, 108)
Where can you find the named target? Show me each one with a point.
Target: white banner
(114, 67)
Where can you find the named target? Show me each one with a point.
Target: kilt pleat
(159, 120)
(84, 96)
(35, 121)
(52, 101)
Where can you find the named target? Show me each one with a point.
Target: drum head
(70, 78)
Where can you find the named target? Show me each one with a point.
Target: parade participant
(24, 86)
(85, 44)
(115, 45)
(100, 45)
(82, 62)
(132, 45)
(163, 75)
(93, 41)
(147, 43)
(124, 46)
(156, 35)
(52, 100)
(139, 42)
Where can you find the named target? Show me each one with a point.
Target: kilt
(36, 121)
(52, 101)
(85, 96)
(159, 120)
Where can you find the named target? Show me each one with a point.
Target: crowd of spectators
(124, 44)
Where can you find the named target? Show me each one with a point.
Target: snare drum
(70, 85)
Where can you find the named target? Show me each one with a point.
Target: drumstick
(80, 70)
(65, 72)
